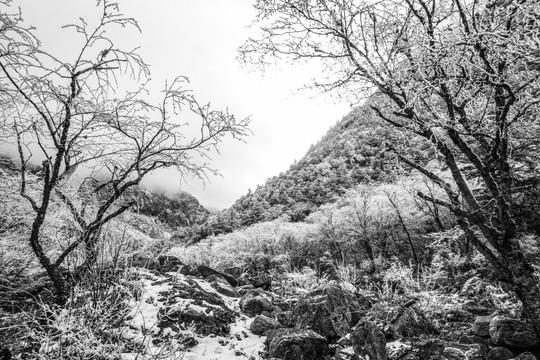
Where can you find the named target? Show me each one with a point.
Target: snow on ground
(167, 345)
(240, 344)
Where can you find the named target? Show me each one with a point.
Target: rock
(261, 324)
(330, 311)
(294, 344)
(144, 262)
(164, 263)
(346, 353)
(453, 331)
(222, 286)
(474, 308)
(169, 263)
(398, 350)
(442, 350)
(473, 339)
(368, 339)
(525, 356)
(5, 354)
(255, 301)
(481, 326)
(512, 333)
(188, 304)
(413, 323)
(242, 289)
(263, 282)
(473, 286)
(206, 271)
(285, 318)
(499, 353)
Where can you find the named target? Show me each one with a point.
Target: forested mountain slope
(353, 151)
(172, 210)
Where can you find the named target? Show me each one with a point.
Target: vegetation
(413, 217)
(458, 74)
(71, 114)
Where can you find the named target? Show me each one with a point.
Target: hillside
(353, 151)
(173, 210)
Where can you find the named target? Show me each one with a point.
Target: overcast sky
(199, 39)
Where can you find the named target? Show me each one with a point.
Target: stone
(242, 289)
(263, 282)
(261, 324)
(329, 311)
(481, 326)
(5, 354)
(473, 339)
(285, 318)
(206, 271)
(499, 353)
(473, 286)
(294, 344)
(169, 263)
(474, 308)
(222, 286)
(413, 323)
(525, 356)
(346, 353)
(443, 350)
(512, 333)
(205, 311)
(255, 301)
(368, 339)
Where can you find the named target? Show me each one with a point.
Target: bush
(275, 246)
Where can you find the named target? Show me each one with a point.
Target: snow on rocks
(183, 317)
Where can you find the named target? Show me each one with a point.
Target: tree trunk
(370, 256)
(524, 284)
(89, 239)
(56, 277)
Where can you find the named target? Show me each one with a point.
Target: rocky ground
(186, 313)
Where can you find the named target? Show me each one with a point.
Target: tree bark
(59, 283)
(524, 283)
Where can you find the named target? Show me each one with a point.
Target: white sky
(199, 39)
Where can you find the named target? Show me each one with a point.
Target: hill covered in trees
(353, 151)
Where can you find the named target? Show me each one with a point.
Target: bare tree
(461, 74)
(75, 114)
(393, 200)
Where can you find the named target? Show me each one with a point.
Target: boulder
(294, 344)
(499, 353)
(330, 311)
(442, 350)
(261, 324)
(144, 262)
(188, 304)
(285, 319)
(263, 282)
(474, 308)
(473, 286)
(242, 289)
(368, 339)
(255, 301)
(5, 354)
(413, 323)
(169, 263)
(512, 333)
(481, 326)
(206, 271)
(164, 263)
(525, 356)
(222, 286)
(346, 354)
(473, 339)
